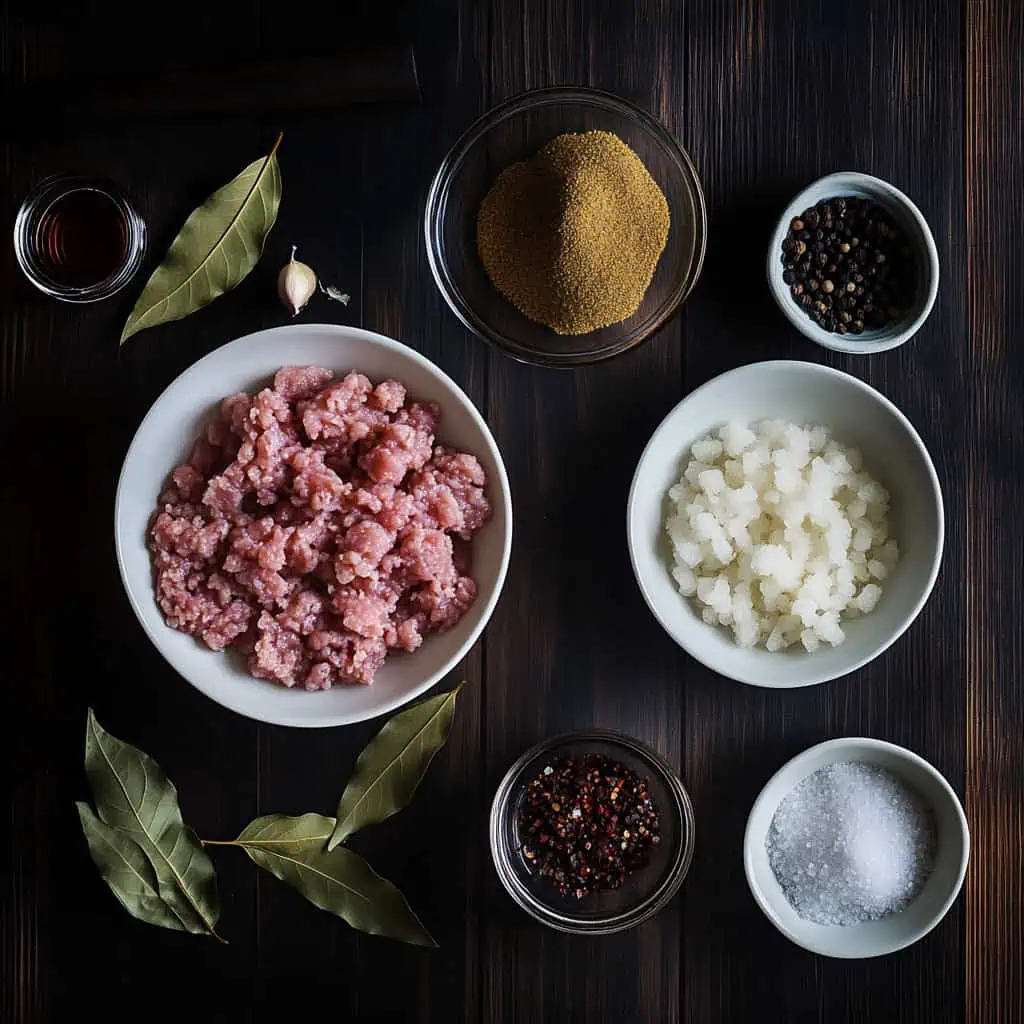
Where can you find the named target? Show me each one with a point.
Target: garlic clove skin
(296, 284)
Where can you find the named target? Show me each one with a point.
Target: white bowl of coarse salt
(856, 848)
(865, 426)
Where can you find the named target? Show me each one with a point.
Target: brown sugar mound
(572, 237)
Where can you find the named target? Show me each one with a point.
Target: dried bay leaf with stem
(161, 873)
(340, 882)
(220, 242)
(391, 766)
(136, 799)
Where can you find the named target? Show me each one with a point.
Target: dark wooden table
(765, 96)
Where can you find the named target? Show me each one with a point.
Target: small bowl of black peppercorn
(591, 832)
(853, 264)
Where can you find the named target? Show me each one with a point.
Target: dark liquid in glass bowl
(81, 238)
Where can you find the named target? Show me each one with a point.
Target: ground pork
(316, 526)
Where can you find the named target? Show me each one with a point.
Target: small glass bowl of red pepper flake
(591, 832)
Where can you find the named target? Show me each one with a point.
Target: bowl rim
(501, 490)
(888, 194)
(678, 636)
(769, 793)
(528, 100)
(525, 899)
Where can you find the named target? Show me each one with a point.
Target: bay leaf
(127, 870)
(391, 766)
(220, 242)
(134, 797)
(340, 882)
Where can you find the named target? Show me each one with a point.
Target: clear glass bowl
(29, 222)
(517, 130)
(646, 891)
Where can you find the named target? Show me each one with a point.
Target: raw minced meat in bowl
(313, 525)
(785, 524)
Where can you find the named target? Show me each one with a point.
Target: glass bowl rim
(524, 102)
(501, 854)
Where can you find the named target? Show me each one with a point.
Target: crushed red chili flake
(587, 824)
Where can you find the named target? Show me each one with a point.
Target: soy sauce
(81, 238)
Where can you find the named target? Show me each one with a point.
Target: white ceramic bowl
(858, 416)
(906, 214)
(872, 938)
(163, 441)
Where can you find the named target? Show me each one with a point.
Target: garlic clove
(296, 284)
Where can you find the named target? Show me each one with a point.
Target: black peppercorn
(847, 254)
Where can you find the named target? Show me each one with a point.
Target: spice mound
(849, 265)
(316, 526)
(587, 824)
(851, 843)
(572, 237)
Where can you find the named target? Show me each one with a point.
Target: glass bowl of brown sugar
(591, 832)
(565, 226)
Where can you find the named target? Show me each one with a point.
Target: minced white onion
(778, 534)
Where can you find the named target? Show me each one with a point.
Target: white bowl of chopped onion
(785, 524)
(871, 835)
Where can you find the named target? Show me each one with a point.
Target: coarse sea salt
(851, 843)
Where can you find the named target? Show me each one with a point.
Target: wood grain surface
(765, 96)
(995, 553)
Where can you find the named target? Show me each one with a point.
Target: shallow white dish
(858, 416)
(872, 938)
(907, 215)
(163, 441)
